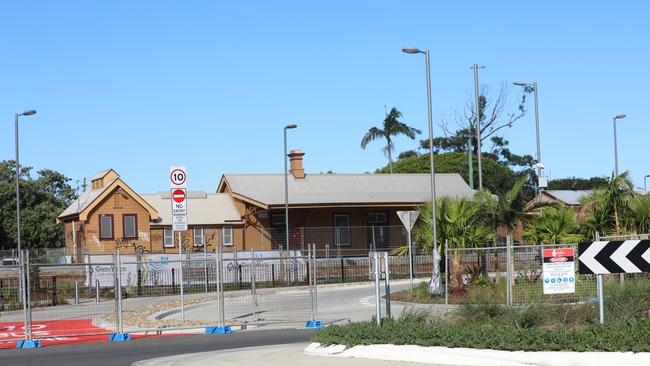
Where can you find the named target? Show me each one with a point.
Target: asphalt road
(125, 353)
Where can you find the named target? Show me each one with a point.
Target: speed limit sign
(177, 176)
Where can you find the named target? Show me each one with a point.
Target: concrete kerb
(476, 357)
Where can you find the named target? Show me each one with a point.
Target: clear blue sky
(139, 86)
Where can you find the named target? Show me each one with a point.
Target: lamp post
(645, 186)
(619, 116)
(435, 287)
(286, 186)
(539, 153)
(476, 67)
(26, 113)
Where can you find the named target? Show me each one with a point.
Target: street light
(26, 113)
(645, 186)
(539, 153)
(435, 287)
(286, 185)
(476, 67)
(619, 116)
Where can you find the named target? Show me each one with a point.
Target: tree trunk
(456, 273)
(390, 159)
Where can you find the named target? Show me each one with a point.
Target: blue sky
(140, 86)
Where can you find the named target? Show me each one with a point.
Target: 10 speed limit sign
(177, 177)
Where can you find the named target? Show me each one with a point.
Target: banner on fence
(162, 269)
(558, 271)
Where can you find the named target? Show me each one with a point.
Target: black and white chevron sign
(603, 257)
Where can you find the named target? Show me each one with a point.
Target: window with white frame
(198, 236)
(106, 227)
(227, 235)
(168, 238)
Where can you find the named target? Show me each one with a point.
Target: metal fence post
(76, 292)
(310, 269)
(387, 282)
(446, 273)
(118, 291)
(509, 271)
(220, 289)
(253, 291)
(327, 261)
(205, 269)
(97, 290)
(315, 284)
(377, 289)
(25, 289)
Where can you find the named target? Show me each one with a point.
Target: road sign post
(178, 195)
(408, 219)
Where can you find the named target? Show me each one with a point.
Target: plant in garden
(606, 209)
(459, 225)
(553, 226)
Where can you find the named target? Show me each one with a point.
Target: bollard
(97, 290)
(173, 282)
(76, 292)
(54, 302)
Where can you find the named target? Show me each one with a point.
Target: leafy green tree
(496, 177)
(391, 127)
(578, 184)
(553, 226)
(42, 200)
(639, 214)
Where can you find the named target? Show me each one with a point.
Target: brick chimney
(295, 161)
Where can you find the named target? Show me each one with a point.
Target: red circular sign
(177, 177)
(178, 195)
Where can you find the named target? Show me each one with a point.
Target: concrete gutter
(477, 357)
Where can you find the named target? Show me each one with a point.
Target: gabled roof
(202, 208)
(316, 189)
(569, 197)
(88, 200)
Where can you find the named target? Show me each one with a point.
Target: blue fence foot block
(34, 343)
(219, 330)
(314, 324)
(119, 337)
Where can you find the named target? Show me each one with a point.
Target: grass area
(535, 327)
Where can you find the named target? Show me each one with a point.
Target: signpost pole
(408, 232)
(180, 274)
(601, 294)
(377, 289)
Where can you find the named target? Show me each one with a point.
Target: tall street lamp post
(619, 116)
(476, 67)
(539, 153)
(645, 186)
(286, 186)
(26, 113)
(435, 287)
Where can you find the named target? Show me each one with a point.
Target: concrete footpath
(285, 355)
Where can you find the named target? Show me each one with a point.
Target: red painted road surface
(53, 332)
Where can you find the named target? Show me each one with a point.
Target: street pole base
(34, 343)
(218, 330)
(314, 324)
(119, 337)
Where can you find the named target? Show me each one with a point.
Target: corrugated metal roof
(347, 188)
(202, 208)
(85, 199)
(568, 196)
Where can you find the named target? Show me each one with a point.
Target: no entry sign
(179, 201)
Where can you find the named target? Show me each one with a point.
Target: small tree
(553, 226)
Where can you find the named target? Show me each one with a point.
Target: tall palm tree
(639, 210)
(503, 210)
(553, 226)
(391, 127)
(609, 204)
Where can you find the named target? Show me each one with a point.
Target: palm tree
(391, 127)
(639, 209)
(458, 224)
(503, 211)
(553, 226)
(606, 207)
